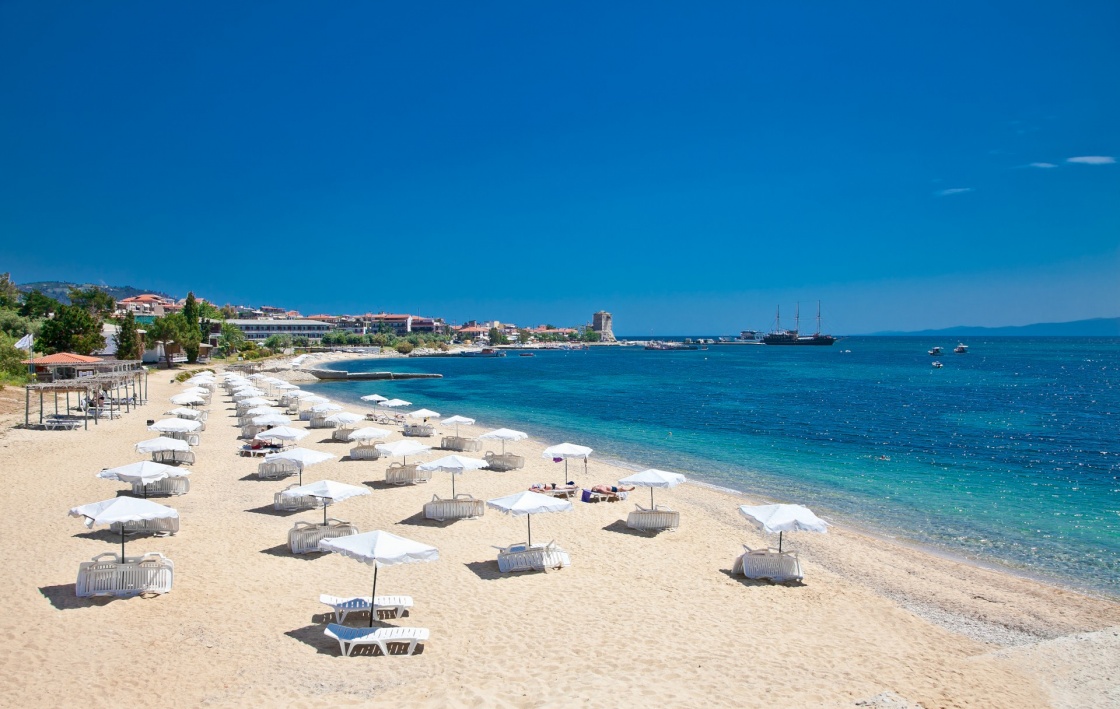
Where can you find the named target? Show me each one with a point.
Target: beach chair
(160, 527)
(401, 474)
(292, 504)
(591, 496)
(108, 575)
(173, 457)
(248, 431)
(192, 439)
(304, 537)
(462, 506)
(503, 463)
(364, 453)
(321, 422)
(276, 469)
(538, 557)
(61, 424)
(565, 492)
(349, 638)
(458, 443)
(306, 415)
(342, 435)
(418, 430)
(658, 519)
(360, 604)
(167, 486)
(768, 563)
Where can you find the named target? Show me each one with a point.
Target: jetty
(337, 374)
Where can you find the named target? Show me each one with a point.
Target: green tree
(523, 336)
(497, 337)
(278, 342)
(228, 312)
(9, 293)
(35, 305)
(94, 301)
(230, 339)
(404, 347)
(72, 329)
(15, 325)
(128, 338)
(301, 341)
(173, 328)
(190, 324)
(12, 368)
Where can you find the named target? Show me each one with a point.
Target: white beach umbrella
(284, 386)
(374, 398)
(175, 425)
(201, 379)
(369, 433)
(529, 503)
(379, 549)
(187, 400)
(503, 435)
(247, 393)
(271, 419)
(302, 457)
(454, 464)
(184, 413)
(282, 433)
(258, 375)
(563, 451)
(264, 410)
(345, 417)
(402, 448)
(653, 478)
(424, 414)
(145, 472)
(325, 408)
(310, 398)
(197, 390)
(122, 510)
(455, 421)
(783, 518)
(156, 445)
(394, 403)
(328, 491)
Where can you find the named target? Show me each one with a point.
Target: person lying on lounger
(612, 489)
(570, 485)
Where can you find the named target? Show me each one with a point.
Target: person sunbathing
(612, 489)
(570, 485)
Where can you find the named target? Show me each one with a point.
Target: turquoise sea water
(1009, 454)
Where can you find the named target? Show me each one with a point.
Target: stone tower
(601, 323)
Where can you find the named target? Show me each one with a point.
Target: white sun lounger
(304, 537)
(502, 463)
(106, 575)
(348, 638)
(364, 453)
(539, 557)
(292, 504)
(342, 435)
(657, 519)
(162, 527)
(321, 422)
(421, 430)
(276, 469)
(768, 564)
(167, 486)
(360, 604)
(462, 506)
(458, 443)
(400, 474)
(173, 457)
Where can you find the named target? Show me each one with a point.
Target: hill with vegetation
(1095, 327)
(60, 290)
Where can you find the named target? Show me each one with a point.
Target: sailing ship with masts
(794, 336)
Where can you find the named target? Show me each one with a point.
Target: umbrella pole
(529, 521)
(122, 542)
(324, 513)
(453, 484)
(651, 498)
(373, 598)
(779, 542)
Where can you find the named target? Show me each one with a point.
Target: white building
(261, 329)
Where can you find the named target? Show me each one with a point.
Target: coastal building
(148, 304)
(601, 323)
(402, 324)
(260, 329)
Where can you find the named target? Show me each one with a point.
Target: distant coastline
(1095, 327)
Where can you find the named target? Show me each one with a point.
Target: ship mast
(818, 317)
(797, 319)
(778, 319)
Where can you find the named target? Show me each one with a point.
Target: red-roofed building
(148, 304)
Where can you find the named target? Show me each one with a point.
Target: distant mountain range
(1096, 327)
(59, 290)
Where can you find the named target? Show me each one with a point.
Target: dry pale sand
(635, 621)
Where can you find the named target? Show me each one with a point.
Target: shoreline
(856, 526)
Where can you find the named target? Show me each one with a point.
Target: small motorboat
(527, 354)
(937, 365)
(935, 352)
(961, 348)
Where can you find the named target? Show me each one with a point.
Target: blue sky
(686, 167)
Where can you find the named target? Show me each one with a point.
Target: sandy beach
(637, 620)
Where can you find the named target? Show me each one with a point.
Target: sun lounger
(248, 431)
(462, 506)
(400, 474)
(304, 537)
(306, 415)
(768, 564)
(108, 575)
(360, 604)
(292, 504)
(167, 486)
(276, 469)
(364, 453)
(418, 430)
(590, 496)
(458, 443)
(349, 638)
(256, 452)
(192, 439)
(658, 519)
(538, 557)
(342, 435)
(385, 419)
(161, 527)
(564, 492)
(61, 424)
(502, 463)
(173, 457)
(321, 422)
